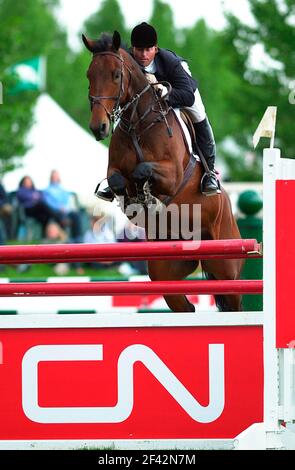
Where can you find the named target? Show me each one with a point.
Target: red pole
(223, 249)
(46, 289)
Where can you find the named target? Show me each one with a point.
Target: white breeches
(197, 110)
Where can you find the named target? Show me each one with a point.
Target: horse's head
(107, 81)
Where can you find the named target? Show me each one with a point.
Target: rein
(94, 99)
(117, 112)
(129, 127)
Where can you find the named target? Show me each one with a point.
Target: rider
(167, 66)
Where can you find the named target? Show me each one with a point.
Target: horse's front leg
(118, 185)
(143, 179)
(161, 270)
(158, 176)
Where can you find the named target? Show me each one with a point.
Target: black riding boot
(206, 144)
(106, 194)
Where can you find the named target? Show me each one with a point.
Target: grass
(41, 271)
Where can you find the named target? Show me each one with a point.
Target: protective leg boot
(106, 194)
(206, 146)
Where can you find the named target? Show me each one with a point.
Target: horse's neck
(136, 86)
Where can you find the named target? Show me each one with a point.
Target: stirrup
(214, 190)
(104, 194)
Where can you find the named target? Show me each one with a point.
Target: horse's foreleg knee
(117, 184)
(142, 173)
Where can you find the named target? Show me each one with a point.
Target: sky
(186, 12)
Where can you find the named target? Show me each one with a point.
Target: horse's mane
(105, 42)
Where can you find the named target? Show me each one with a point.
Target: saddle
(190, 127)
(185, 117)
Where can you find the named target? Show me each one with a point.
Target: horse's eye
(116, 75)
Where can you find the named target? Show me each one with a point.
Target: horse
(149, 162)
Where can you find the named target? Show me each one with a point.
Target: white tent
(58, 142)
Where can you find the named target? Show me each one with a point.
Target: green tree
(67, 82)
(163, 21)
(27, 30)
(209, 63)
(66, 77)
(72, 94)
(213, 63)
(267, 81)
(107, 19)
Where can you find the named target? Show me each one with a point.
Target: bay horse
(148, 161)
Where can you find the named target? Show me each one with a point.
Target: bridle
(97, 99)
(128, 126)
(116, 111)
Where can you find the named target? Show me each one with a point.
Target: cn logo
(122, 410)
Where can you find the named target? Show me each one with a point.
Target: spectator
(33, 202)
(55, 234)
(5, 214)
(133, 233)
(60, 201)
(100, 231)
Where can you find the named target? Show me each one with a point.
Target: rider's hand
(150, 77)
(161, 90)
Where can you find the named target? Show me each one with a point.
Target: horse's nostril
(102, 128)
(99, 130)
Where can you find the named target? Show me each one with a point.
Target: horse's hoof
(122, 202)
(192, 308)
(133, 208)
(154, 205)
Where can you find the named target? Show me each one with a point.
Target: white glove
(152, 79)
(162, 89)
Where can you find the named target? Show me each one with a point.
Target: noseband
(127, 125)
(97, 99)
(116, 111)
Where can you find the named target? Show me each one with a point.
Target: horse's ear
(88, 43)
(116, 41)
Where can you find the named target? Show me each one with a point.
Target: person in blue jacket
(34, 205)
(5, 214)
(60, 201)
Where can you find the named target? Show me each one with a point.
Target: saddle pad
(186, 132)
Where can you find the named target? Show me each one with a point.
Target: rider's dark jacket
(169, 68)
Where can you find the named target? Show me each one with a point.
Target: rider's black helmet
(144, 35)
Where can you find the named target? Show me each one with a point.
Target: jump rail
(41, 289)
(224, 249)
(58, 370)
